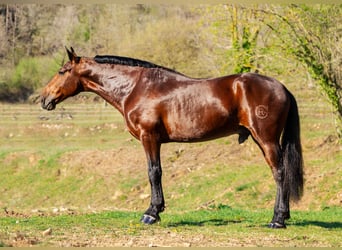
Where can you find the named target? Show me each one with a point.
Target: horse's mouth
(48, 104)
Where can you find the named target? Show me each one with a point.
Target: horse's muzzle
(48, 103)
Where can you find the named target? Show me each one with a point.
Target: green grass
(219, 225)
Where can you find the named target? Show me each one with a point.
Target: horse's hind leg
(281, 208)
(273, 157)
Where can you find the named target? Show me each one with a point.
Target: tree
(244, 38)
(313, 34)
(237, 37)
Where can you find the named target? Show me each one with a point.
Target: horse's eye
(63, 70)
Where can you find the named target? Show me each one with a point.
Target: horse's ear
(72, 55)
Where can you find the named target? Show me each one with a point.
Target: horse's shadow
(322, 224)
(221, 222)
(212, 222)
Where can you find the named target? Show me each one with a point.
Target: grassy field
(79, 172)
(221, 226)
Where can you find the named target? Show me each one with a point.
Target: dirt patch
(105, 163)
(152, 237)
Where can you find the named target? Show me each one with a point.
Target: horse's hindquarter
(263, 104)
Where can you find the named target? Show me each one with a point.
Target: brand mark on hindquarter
(261, 111)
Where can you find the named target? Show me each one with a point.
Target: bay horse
(160, 105)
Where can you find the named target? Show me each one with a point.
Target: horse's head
(64, 84)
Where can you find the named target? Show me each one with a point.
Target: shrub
(27, 77)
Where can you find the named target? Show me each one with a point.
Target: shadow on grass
(323, 224)
(212, 222)
(220, 222)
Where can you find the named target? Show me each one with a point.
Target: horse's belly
(186, 131)
(197, 127)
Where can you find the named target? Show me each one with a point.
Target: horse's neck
(113, 85)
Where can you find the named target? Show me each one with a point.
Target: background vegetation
(201, 40)
(77, 171)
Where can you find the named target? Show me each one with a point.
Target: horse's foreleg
(152, 149)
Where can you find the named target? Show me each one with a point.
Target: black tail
(292, 153)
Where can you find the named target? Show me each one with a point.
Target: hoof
(148, 219)
(276, 225)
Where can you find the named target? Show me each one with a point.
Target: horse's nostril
(42, 100)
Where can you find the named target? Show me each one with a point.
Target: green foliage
(26, 72)
(320, 66)
(245, 52)
(311, 34)
(29, 75)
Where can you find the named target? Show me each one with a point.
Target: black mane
(128, 61)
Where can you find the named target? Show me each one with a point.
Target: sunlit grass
(218, 224)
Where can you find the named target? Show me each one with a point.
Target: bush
(28, 76)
